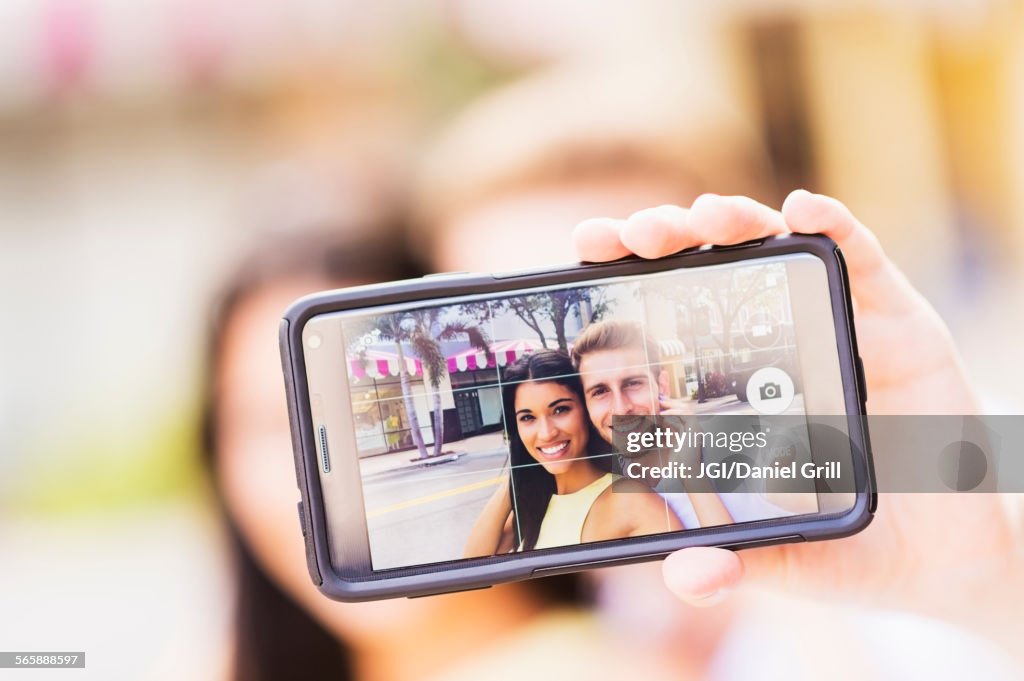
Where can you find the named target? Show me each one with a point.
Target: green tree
(426, 329)
(556, 307)
(727, 291)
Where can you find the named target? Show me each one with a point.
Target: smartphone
(462, 430)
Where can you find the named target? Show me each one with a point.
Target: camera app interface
(490, 426)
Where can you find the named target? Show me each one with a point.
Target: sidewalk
(719, 404)
(395, 461)
(730, 405)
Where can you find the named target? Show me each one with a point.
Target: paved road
(424, 515)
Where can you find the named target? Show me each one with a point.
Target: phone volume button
(594, 564)
(551, 269)
(302, 518)
(861, 380)
(442, 275)
(771, 541)
(515, 274)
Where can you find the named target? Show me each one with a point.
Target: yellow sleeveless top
(566, 513)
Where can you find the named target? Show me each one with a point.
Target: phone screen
(485, 425)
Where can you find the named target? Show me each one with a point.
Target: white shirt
(742, 506)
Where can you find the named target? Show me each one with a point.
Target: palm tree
(423, 330)
(427, 328)
(389, 328)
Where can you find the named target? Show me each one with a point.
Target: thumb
(701, 575)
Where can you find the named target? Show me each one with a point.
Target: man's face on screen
(618, 383)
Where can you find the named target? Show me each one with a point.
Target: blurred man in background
(575, 143)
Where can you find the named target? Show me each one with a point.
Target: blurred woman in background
(284, 628)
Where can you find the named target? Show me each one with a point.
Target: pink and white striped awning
(502, 354)
(378, 364)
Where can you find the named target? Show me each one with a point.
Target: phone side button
(311, 564)
(452, 591)
(594, 564)
(441, 275)
(756, 543)
(732, 247)
(302, 518)
(861, 380)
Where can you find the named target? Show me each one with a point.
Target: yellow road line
(436, 496)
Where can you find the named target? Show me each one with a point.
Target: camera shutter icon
(770, 391)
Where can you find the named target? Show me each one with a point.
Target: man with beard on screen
(620, 366)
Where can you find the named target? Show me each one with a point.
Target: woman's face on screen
(552, 423)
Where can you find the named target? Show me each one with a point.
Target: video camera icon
(770, 391)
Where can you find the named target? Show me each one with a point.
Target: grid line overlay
(490, 459)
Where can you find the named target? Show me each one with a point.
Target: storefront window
(381, 421)
(393, 416)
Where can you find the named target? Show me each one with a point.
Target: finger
(702, 575)
(874, 280)
(597, 240)
(657, 232)
(726, 220)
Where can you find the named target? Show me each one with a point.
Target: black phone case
(483, 572)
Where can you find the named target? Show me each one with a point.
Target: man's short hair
(615, 335)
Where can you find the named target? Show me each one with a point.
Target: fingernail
(713, 598)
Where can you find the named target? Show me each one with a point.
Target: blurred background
(145, 143)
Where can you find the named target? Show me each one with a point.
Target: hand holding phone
(422, 411)
(911, 367)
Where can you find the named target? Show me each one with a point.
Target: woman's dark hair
(529, 484)
(275, 638)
